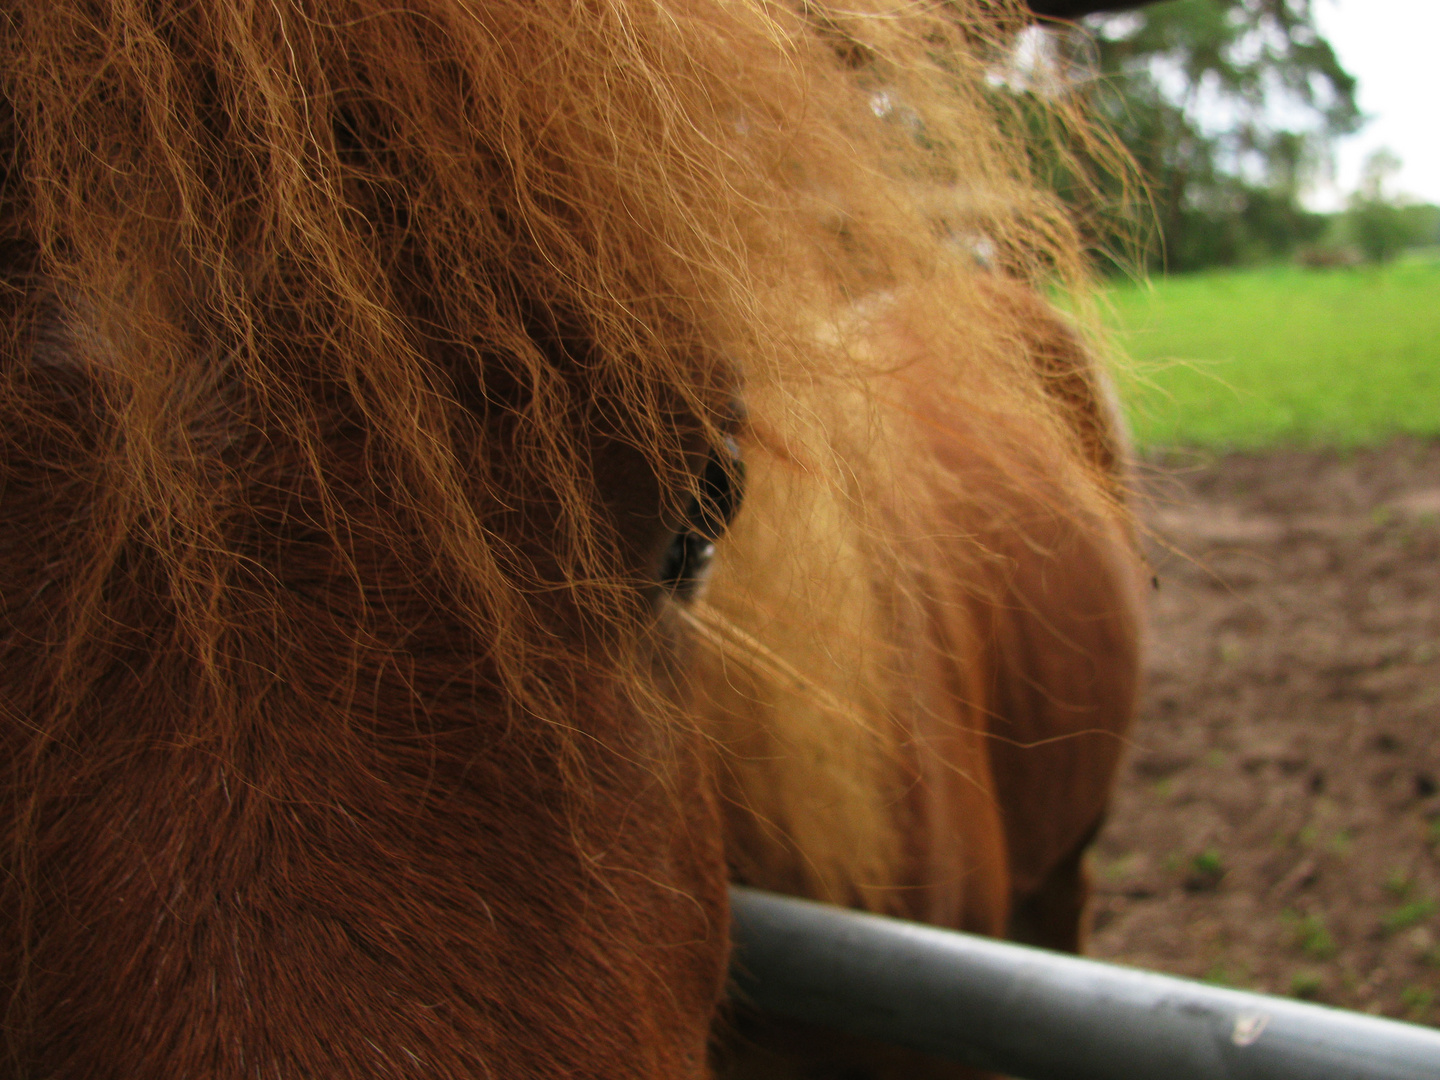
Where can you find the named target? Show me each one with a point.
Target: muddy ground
(1278, 825)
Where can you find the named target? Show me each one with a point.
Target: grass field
(1246, 359)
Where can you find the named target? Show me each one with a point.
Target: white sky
(1393, 48)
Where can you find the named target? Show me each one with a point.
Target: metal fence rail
(1042, 1015)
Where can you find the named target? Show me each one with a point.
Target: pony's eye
(722, 485)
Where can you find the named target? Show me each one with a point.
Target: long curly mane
(245, 225)
(339, 339)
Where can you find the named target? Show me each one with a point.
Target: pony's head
(372, 396)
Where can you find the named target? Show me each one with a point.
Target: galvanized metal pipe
(1042, 1015)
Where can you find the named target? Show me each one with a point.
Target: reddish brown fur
(359, 361)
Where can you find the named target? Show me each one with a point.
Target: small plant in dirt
(1123, 867)
(1417, 1001)
(1205, 871)
(1407, 915)
(1222, 974)
(1306, 983)
(1421, 942)
(1432, 834)
(1398, 884)
(1342, 843)
(1309, 934)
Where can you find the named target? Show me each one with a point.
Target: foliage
(1373, 231)
(1250, 358)
(1380, 225)
(1227, 107)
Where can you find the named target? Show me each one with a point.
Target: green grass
(1279, 355)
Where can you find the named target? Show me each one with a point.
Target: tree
(1228, 107)
(1380, 224)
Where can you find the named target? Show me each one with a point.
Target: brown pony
(375, 385)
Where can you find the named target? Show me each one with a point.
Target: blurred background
(1275, 297)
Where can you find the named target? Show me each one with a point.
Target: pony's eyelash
(722, 489)
(717, 500)
(686, 561)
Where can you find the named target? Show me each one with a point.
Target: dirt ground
(1278, 825)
